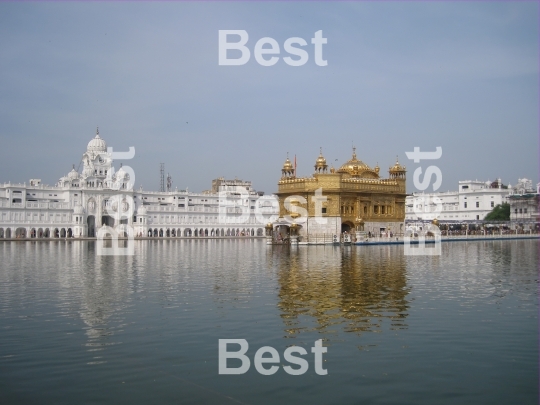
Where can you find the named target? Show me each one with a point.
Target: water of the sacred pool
(459, 328)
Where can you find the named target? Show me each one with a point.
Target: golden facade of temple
(356, 196)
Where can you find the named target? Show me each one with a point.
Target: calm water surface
(461, 328)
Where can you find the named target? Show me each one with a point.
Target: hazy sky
(459, 75)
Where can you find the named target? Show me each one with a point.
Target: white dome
(121, 174)
(97, 145)
(72, 175)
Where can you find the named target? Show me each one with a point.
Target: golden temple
(354, 197)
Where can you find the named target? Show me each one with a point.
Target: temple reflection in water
(332, 289)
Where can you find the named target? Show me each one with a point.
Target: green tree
(500, 213)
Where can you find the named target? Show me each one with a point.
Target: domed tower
(73, 177)
(397, 171)
(320, 164)
(141, 227)
(121, 179)
(287, 172)
(97, 162)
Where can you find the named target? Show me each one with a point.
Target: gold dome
(357, 168)
(287, 165)
(397, 171)
(320, 163)
(288, 169)
(397, 167)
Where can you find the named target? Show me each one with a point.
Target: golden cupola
(320, 164)
(288, 169)
(357, 168)
(397, 171)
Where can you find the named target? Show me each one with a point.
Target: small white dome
(72, 175)
(121, 174)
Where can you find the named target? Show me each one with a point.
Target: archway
(33, 233)
(63, 233)
(347, 227)
(8, 233)
(187, 232)
(40, 233)
(1, 232)
(260, 232)
(47, 233)
(20, 233)
(69, 233)
(107, 220)
(91, 222)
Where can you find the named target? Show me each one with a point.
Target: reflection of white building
(81, 203)
(472, 202)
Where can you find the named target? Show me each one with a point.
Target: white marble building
(524, 202)
(471, 202)
(81, 203)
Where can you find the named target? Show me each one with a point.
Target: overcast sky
(459, 75)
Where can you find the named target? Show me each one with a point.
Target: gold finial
(354, 152)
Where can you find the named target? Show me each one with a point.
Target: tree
(500, 213)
